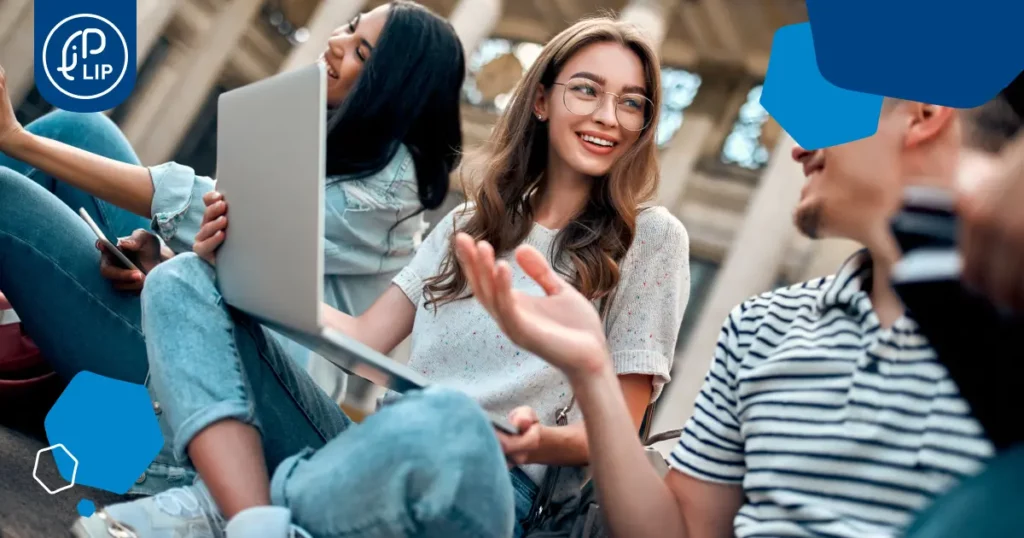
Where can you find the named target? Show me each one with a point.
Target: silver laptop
(271, 159)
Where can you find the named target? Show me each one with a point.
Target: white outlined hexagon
(74, 473)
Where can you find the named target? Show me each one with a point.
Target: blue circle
(86, 508)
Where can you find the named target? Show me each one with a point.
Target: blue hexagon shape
(944, 52)
(110, 426)
(815, 112)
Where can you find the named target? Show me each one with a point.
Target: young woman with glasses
(569, 169)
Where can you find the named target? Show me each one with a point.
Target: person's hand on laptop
(992, 235)
(215, 225)
(144, 249)
(8, 121)
(561, 327)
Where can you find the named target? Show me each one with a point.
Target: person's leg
(235, 403)
(985, 506)
(49, 272)
(221, 380)
(525, 493)
(427, 465)
(96, 134)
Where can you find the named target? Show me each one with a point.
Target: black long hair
(408, 93)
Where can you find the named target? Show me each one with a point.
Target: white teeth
(598, 141)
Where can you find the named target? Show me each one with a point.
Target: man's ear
(928, 122)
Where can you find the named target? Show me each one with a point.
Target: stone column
(750, 267)
(329, 15)
(10, 16)
(17, 54)
(701, 128)
(474, 20)
(199, 76)
(150, 100)
(651, 16)
(154, 16)
(681, 156)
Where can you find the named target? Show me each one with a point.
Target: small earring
(539, 117)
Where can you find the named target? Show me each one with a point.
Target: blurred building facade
(726, 171)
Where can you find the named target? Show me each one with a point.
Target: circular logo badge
(85, 56)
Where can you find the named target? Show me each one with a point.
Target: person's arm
(638, 502)
(568, 445)
(125, 185)
(564, 329)
(641, 326)
(382, 327)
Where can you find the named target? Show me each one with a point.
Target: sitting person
(572, 163)
(825, 412)
(394, 138)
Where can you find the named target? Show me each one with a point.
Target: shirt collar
(850, 285)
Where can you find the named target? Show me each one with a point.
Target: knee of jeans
(174, 279)
(15, 189)
(471, 449)
(70, 127)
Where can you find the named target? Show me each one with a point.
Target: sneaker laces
(179, 502)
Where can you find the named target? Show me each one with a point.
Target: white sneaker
(264, 522)
(187, 512)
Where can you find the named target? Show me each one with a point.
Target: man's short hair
(990, 127)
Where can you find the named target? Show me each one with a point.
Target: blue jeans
(49, 268)
(426, 465)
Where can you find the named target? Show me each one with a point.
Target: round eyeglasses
(583, 97)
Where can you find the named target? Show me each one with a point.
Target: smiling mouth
(327, 65)
(604, 143)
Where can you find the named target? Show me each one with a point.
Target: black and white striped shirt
(833, 425)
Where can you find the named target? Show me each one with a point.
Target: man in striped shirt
(824, 412)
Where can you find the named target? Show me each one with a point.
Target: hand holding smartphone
(112, 248)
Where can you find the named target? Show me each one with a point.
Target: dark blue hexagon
(109, 426)
(815, 112)
(944, 52)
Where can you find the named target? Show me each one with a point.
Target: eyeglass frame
(648, 120)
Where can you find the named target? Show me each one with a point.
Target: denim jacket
(362, 253)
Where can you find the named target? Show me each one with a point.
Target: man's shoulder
(792, 298)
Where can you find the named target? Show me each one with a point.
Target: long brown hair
(513, 168)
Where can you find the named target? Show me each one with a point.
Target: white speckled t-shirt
(461, 346)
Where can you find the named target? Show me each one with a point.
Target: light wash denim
(427, 465)
(364, 248)
(49, 266)
(49, 270)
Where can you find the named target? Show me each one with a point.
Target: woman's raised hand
(215, 224)
(561, 327)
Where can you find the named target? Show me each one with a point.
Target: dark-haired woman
(394, 77)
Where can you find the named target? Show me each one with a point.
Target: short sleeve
(427, 261)
(711, 445)
(178, 204)
(647, 309)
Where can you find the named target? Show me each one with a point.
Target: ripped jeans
(428, 464)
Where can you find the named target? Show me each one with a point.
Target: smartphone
(976, 342)
(112, 248)
(502, 424)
